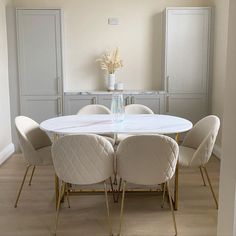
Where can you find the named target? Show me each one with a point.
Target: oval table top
(103, 124)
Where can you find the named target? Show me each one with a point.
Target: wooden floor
(197, 215)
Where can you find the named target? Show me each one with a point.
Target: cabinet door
(105, 100)
(73, 103)
(41, 108)
(39, 51)
(151, 101)
(187, 50)
(192, 107)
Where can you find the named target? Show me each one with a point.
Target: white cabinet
(74, 102)
(40, 62)
(187, 56)
(153, 101)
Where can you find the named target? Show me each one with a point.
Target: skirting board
(6, 152)
(217, 151)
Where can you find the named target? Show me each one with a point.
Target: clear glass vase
(117, 107)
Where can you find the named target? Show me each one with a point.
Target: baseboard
(6, 152)
(217, 151)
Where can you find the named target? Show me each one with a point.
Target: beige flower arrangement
(111, 61)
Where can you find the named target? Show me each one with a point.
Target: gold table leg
(176, 190)
(55, 138)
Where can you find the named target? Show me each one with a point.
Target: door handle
(167, 103)
(59, 85)
(94, 100)
(127, 100)
(167, 84)
(59, 106)
(132, 100)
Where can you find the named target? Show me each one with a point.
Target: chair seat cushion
(186, 157)
(45, 156)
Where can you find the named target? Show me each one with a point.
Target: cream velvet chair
(134, 109)
(147, 160)
(96, 109)
(197, 146)
(83, 160)
(137, 109)
(35, 146)
(93, 109)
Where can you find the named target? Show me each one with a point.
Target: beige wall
(5, 126)
(219, 61)
(87, 35)
(227, 214)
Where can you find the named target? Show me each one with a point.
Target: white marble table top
(103, 124)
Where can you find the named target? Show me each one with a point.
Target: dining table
(103, 124)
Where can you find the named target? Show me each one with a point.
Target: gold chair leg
(171, 206)
(57, 189)
(67, 194)
(112, 189)
(118, 194)
(163, 196)
(22, 184)
(122, 208)
(58, 206)
(32, 174)
(212, 191)
(108, 209)
(203, 179)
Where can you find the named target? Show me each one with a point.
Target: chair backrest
(93, 109)
(83, 159)
(202, 137)
(31, 138)
(147, 159)
(137, 109)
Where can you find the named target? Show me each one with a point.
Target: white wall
(226, 219)
(219, 60)
(87, 35)
(5, 125)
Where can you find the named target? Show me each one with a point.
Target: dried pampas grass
(111, 61)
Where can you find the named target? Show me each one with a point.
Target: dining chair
(197, 147)
(35, 146)
(134, 109)
(147, 160)
(137, 109)
(96, 109)
(83, 160)
(93, 109)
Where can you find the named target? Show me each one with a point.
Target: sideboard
(74, 101)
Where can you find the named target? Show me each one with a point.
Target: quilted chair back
(31, 138)
(83, 159)
(202, 137)
(94, 109)
(147, 159)
(137, 109)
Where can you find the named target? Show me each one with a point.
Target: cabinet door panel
(39, 51)
(74, 103)
(187, 50)
(151, 101)
(105, 100)
(41, 108)
(192, 107)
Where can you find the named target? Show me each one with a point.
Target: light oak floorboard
(35, 215)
